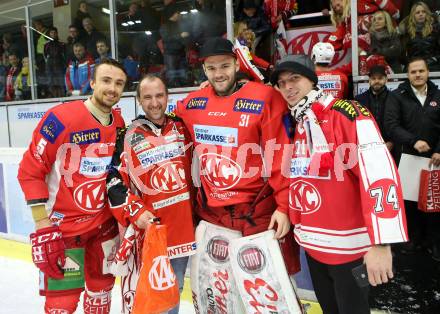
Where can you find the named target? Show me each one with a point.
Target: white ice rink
(19, 290)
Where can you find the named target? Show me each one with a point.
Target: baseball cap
(298, 64)
(216, 46)
(377, 69)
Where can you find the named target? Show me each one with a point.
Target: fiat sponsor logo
(304, 197)
(169, 177)
(251, 259)
(218, 249)
(90, 196)
(219, 171)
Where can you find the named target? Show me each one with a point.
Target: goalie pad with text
(261, 276)
(212, 284)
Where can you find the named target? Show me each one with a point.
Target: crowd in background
(165, 39)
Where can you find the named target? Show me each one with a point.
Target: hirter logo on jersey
(85, 137)
(197, 103)
(51, 128)
(248, 105)
(304, 197)
(251, 259)
(169, 177)
(90, 196)
(219, 171)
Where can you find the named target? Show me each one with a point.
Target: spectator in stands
(341, 38)
(331, 81)
(176, 36)
(377, 98)
(246, 38)
(10, 46)
(433, 5)
(11, 76)
(40, 36)
(382, 39)
(81, 14)
(280, 10)
(256, 20)
(72, 39)
(91, 37)
(23, 82)
(55, 56)
(3, 74)
(79, 71)
(414, 122)
(103, 50)
(421, 35)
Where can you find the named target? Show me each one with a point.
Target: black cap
(249, 4)
(216, 46)
(377, 69)
(298, 64)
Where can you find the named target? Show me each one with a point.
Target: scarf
(320, 157)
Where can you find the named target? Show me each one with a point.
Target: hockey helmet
(323, 53)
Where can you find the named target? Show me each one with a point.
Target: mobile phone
(360, 274)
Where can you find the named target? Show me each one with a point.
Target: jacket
(151, 171)
(407, 121)
(376, 104)
(79, 74)
(346, 206)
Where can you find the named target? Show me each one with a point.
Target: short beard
(229, 90)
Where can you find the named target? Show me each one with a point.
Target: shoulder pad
(350, 108)
(173, 116)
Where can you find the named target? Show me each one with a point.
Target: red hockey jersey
(340, 212)
(333, 82)
(151, 171)
(66, 166)
(231, 134)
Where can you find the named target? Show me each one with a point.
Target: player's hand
(435, 160)
(144, 220)
(421, 146)
(283, 224)
(379, 262)
(48, 251)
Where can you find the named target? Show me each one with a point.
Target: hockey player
(345, 194)
(63, 174)
(150, 178)
(234, 127)
(333, 82)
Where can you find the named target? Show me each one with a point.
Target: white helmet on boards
(323, 53)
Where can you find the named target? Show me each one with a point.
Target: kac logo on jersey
(197, 103)
(169, 177)
(304, 197)
(219, 171)
(251, 259)
(85, 137)
(90, 196)
(216, 135)
(161, 275)
(218, 249)
(51, 128)
(248, 105)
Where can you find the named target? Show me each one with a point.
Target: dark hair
(109, 61)
(78, 43)
(102, 40)
(149, 77)
(53, 28)
(73, 26)
(414, 59)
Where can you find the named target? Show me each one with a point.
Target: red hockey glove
(48, 251)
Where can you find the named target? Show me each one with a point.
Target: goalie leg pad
(261, 275)
(212, 283)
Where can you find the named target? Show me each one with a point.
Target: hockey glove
(48, 251)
